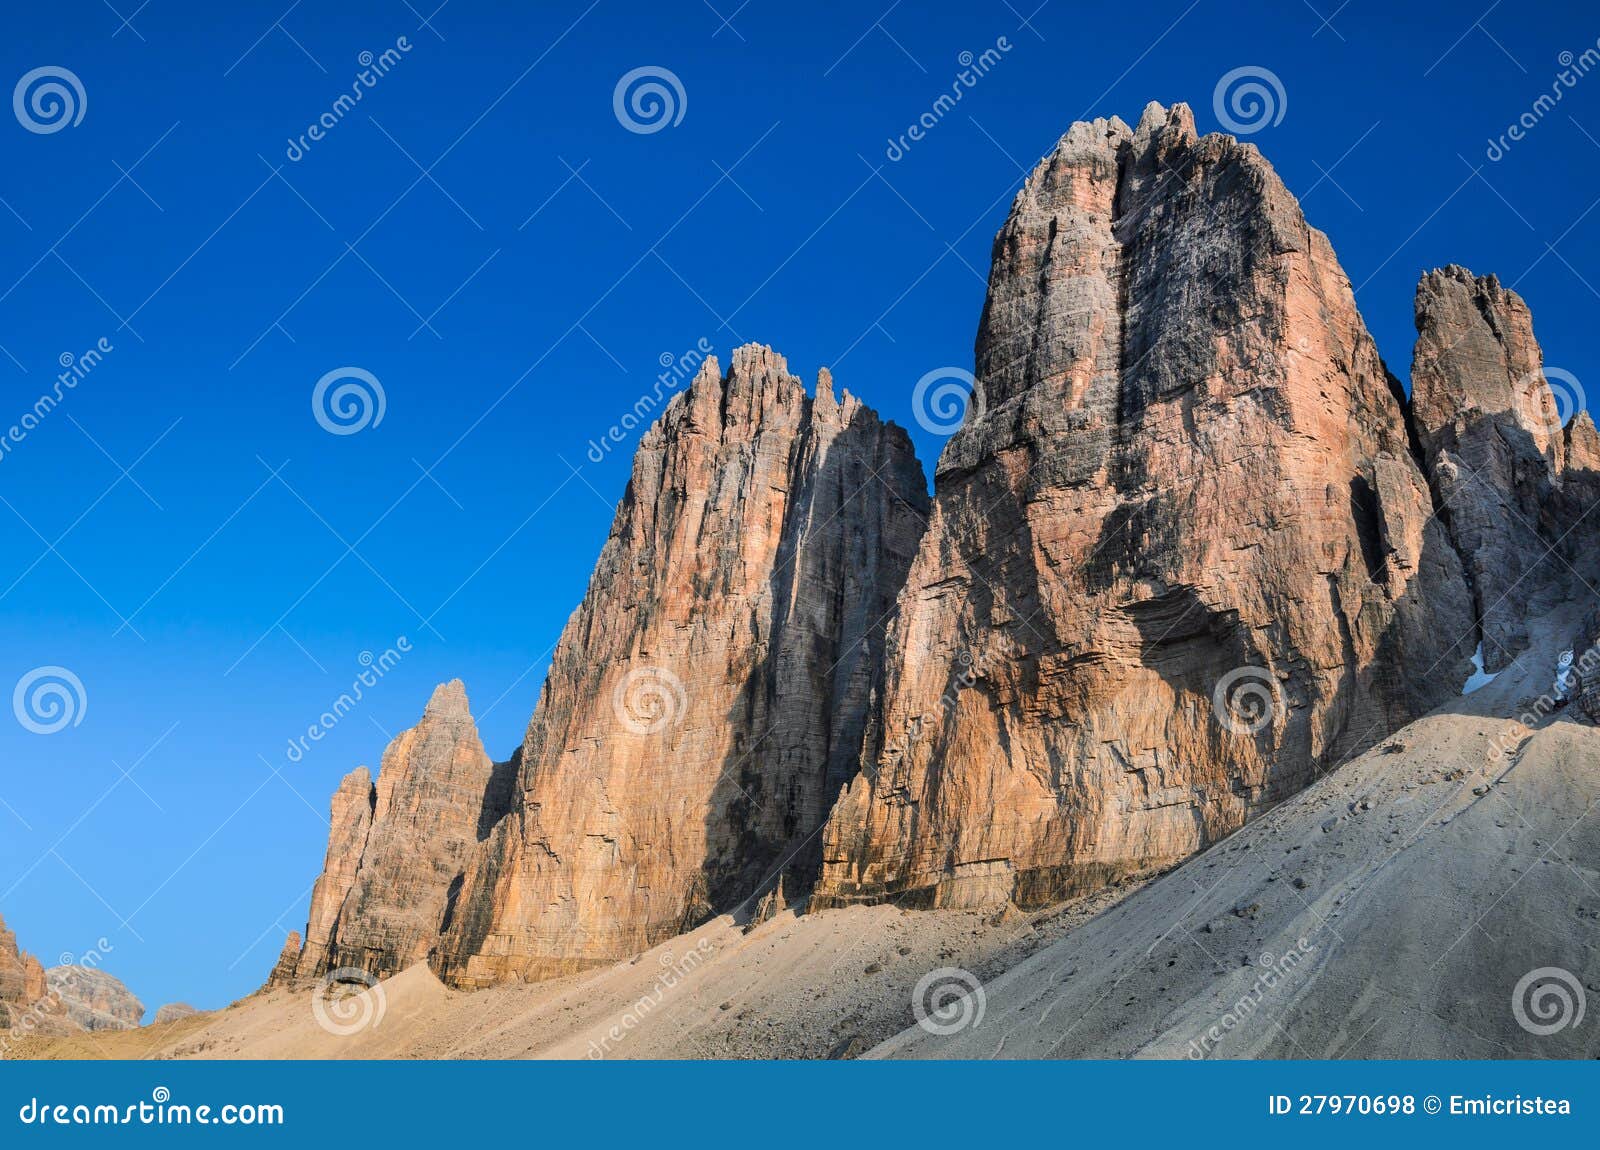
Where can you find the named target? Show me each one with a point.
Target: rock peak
(449, 701)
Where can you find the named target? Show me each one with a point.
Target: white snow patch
(1479, 677)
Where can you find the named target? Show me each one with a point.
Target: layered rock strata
(1182, 557)
(710, 695)
(22, 979)
(706, 701)
(91, 999)
(1192, 548)
(398, 847)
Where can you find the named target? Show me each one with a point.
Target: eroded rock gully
(1192, 548)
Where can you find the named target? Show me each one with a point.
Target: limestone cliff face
(1493, 439)
(398, 847)
(1187, 479)
(709, 696)
(1192, 548)
(92, 999)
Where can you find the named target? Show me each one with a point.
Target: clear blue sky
(555, 257)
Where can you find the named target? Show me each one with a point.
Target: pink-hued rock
(1188, 464)
(91, 999)
(709, 696)
(398, 847)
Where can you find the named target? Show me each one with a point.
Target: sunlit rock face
(709, 697)
(1182, 555)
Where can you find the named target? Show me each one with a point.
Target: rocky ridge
(1182, 537)
(92, 1000)
(1192, 549)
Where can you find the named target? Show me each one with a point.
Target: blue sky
(484, 237)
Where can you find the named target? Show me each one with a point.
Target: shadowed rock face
(1188, 460)
(1493, 441)
(1515, 487)
(709, 697)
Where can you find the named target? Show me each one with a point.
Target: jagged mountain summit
(1192, 550)
(707, 701)
(1190, 464)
